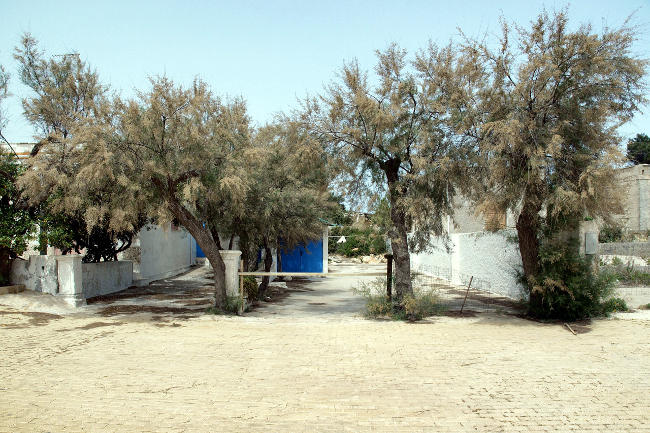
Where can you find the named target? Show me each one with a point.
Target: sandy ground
(310, 363)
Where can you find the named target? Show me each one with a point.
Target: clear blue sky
(269, 52)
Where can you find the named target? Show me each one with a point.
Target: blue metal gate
(302, 259)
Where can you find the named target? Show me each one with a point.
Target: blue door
(302, 259)
(199, 251)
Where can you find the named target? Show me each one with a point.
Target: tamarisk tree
(551, 102)
(180, 150)
(397, 134)
(70, 178)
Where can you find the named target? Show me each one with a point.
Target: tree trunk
(398, 235)
(6, 260)
(268, 262)
(209, 246)
(527, 234)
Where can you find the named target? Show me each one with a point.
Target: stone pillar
(326, 238)
(231, 260)
(70, 279)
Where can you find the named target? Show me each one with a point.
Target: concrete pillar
(326, 234)
(231, 260)
(70, 279)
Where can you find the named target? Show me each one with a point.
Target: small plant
(423, 303)
(613, 305)
(250, 288)
(616, 261)
(233, 305)
(610, 234)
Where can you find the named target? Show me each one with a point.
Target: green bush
(233, 304)
(250, 288)
(359, 242)
(610, 234)
(423, 303)
(626, 273)
(566, 288)
(613, 305)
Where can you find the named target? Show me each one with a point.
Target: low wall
(639, 249)
(105, 277)
(37, 273)
(67, 277)
(491, 258)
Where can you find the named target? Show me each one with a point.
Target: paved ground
(277, 370)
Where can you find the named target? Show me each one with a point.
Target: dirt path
(328, 297)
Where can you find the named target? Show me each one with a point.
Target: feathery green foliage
(70, 176)
(550, 101)
(17, 223)
(396, 135)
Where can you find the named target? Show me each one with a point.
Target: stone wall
(106, 277)
(636, 200)
(639, 249)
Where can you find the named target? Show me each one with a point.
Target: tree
(397, 136)
(550, 102)
(17, 223)
(4, 86)
(286, 195)
(638, 149)
(289, 196)
(80, 208)
(179, 151)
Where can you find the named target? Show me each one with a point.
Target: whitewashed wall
(160, 253)
(37, 273)
(68, 278)
(492, 258)
(106, 277)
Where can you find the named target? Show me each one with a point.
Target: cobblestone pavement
(490, 373)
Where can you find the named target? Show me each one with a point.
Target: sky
(269, 52)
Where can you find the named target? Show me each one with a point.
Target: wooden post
(389, 276)
(466, 293)
(241, 288)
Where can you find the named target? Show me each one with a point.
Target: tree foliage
(71, 177)
(286, 196)
(17, 223)
(638, 149)
(397, 135)
(550, 101)
(178, 152)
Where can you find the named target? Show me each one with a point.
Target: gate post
(389, 276)
(231, 260)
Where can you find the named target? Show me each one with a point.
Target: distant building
(636, 202)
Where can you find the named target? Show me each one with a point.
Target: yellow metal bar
(310, 274)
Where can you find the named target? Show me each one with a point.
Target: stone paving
(162, 371)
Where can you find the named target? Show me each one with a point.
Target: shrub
(423, 303)
(233, 304)
(610, 234)
(612, 305)
(359, 242)
(566, 288)
(250, 287)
